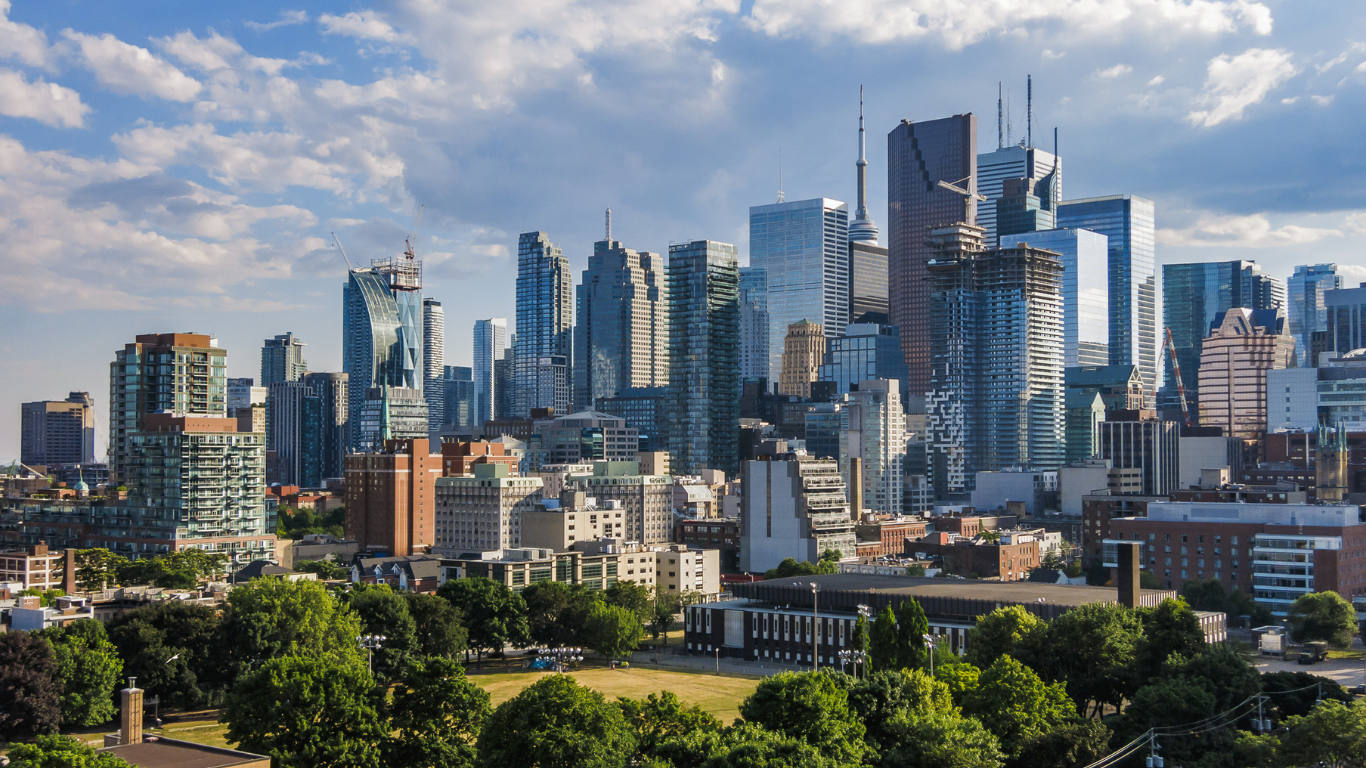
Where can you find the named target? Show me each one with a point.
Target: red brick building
(1097, 510)
(989, 560)
(889, 536)
(391, 498)
(458, 458)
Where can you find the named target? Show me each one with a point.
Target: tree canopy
(436, 716)
(1324, 616)
(494, 615)
(88, 670)
(612, 630)
(30, 688)
(554, 723)
(811, 707)
(61, 752)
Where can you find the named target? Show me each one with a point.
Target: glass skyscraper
(282, 359)
(1017, 162)
(545, 321)
(458, 386)
(1194, 296)
(704, 357)
(753, 323)
(490, 341)
(1129, 224)
(1085, 291)
(622, 339)
(803, 247)
(866, 353)
(1307, 312)
(434, 364)
(382, 348)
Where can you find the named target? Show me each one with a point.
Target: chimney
(1130, 555)
(856, 487)
(130, 716)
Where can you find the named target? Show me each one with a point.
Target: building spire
(608, 237)
(862, 229)
(780, 174)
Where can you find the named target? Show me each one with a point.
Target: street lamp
(855, 657)
(558, 656)
(815, 630)
(929, 643)
(370, 643)
(156, 700)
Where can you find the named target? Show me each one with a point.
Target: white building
(873, 429)
(1292, 399)
(792, 505)
(483, 512)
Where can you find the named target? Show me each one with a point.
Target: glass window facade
(545, 319)
(1016, 162)
(1307, 312)
(867, 353)
(1085, 291)
(753, 323)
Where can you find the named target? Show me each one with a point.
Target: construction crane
(961, 190)
(1176, 371)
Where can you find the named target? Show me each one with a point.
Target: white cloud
(287, 18)
(1113, 72)
(1254, 231)
(1156, 81)
(22, 42)
(1049, 55)
(1234, 83)
(365, 25)
(128, 68)
(48, 103)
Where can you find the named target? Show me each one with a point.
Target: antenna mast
(780, 174)
(1000, 127)
(1029, 111)
(609, 225)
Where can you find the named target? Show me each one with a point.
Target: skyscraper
(1085, 291)
(1196, 296)
(58, 431)
(704, 359)
(295, 434)
(622, 337)
(458, 386)
(331, 390)
(1014, 162)
(1128, 223)
(803, 248)
(544, 323)
(919, 156)
(867, 259)
(867, 351)
(1307, 312)
(282, 359)
(873, 429)
(1025, 205)
(753, 323)
(490, 341)
(1242, 346)
(803, 350)
(434, 364)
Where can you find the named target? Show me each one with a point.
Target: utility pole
(815, 629)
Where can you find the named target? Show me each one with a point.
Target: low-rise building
(315, 546)
(560, 524)
(37, 567)
(458, 457)
(1098, 509)
(29, 614)
(483, 512)
(1009, 558)
(413, 573)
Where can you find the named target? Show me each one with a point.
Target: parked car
(1312, 652)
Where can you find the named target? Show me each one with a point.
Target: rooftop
(1001, 593)
(159, 752)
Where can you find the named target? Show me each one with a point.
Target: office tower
(58, 431)
(391, 497)
(1150, 445)
(1346, 310)
(458, 388)
(482, 512)
(1025, 205)
(1241, 348)
(382, 349)
(503, 393)
(434, 364)
(243, 393)
(803, 248)
(792, 505)
(997, 351)
(1085, 291)
(1120, 386)
(919, 156)
(588, 436)
(180, 373)
(622, 338)
(282, 359)
(1085, 412)
(1195, 298)
(331, 390)
(490, 342)
(753, 323)
(643, 410)
(866, 351)
(873, 429)
(1014, 162)
(867, 259)
(823, 429)
(1130, 228)
(704, 357)
(1307, 312)
(295, 434)
(803, 350)
(544, 324)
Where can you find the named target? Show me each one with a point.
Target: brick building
(458, 458)
(391, 497)
(964, 556)
(1097, 510)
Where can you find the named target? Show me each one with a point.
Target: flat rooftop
(173, 753)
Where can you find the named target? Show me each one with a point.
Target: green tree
(1223, 670)
(88, 669)
(660, 718)
(270, 618)
(61, 752)
(1003, 631)
(183, 569)
(809, 706)
(1092, 651)
(1322, 616)
(30, 690)
(911, 628)
(884, 651)
(325, 569)
(960, 677)
(383, 612)
(886, 694)
(663, 614)
(1210, 595)
(1170, 628)
(1332, 735)
(940, 739)
(634, 597)
(612, 630)
(1016, 705)
(745, 745)
(97, 568)
(436, 715)
(1296, 693)
(556, 723)
(494, 615)
(1169, 701)
(308, 712)
(556, 612)
(440, 631)
(175, 650)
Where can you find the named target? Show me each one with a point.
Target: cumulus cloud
(1253, 231)
(48, 103)
(1234, 83)
(1113, 72)
(22, 42)
(364, 25)
(125, 68)
(1156, 81)
(287, 18)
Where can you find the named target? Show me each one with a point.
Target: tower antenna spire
(609, 225)
(1029, 110)
(862, 228)
(780, 174)
(1000, 120)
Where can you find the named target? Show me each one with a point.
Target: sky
(181, 166)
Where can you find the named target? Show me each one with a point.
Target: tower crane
(1180, 385)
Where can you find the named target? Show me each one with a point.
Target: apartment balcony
(827, 521)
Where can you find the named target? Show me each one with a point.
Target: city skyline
(240, 253)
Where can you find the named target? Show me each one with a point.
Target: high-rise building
(867, 259)
(643, 410)
(803, 351)
(391, 497)
(243, 393)
(458, 388)
(331, 390)
(753, 323)
(434, 364)
(646, 500)
(622, 338)
(867, 351)
(1085, 291)
(483, 512)
(545, 324)
(1013, 162)
(390, 413)
(58, 431)
(1025, 205)
(1129, 226)
(1241, 348)
(382, 347)
(873, 429)
(295, 434)
(1147, 444)
(919, 157)
(1308, 314)
(490, 342)
(1346, 310)
(792, 505)
(179, 373)
(282, 359)
(504, 392)
(1195, 298)
(1085, 412)
(704, 357)
(803, 248)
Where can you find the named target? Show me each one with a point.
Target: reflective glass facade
(1346, 308)
(868, 352)
(490, 340)
(381, 341)
(458, 390)
(1085, 291)
(803, 248)
(622, 339)
(1016, 162)
(753, 323)
(867, 279)
(545, 320)
(1307, 312)
(1129, 224)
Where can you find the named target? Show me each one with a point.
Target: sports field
(718, 694)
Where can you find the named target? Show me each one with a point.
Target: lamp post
(370, 643)
(929, 644)
(855, 657)
(815, 629)
(866, 614)
(560, 657)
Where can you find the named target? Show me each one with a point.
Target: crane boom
(1180, 385)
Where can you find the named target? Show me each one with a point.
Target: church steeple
(862, 229)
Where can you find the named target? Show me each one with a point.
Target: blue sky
(178, 166)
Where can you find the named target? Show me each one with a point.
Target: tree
(940, 739)
(175, 650)
(269, 618)
(325, 569)
(556, 612)
(959, 676)
(30, 691)
(1001, 632)
(911, 628)
(883, 642)
(886, 694)
(1332, 735)
(382, 612)
(1093, 649)
(436, 716)
(88, 669)
(663, 612)
(97, 568)
(555, 722)
(661, 717)
(1171, 628)
(61, 752)
(1210, 595)
(183, 569)
(494, 615)
(612, 630)
(745, 745)
(440, 631)
(1322, 616)
(631, 596)
(811, 707)
(308, 712)
(1012, 702)
(1296, 693)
